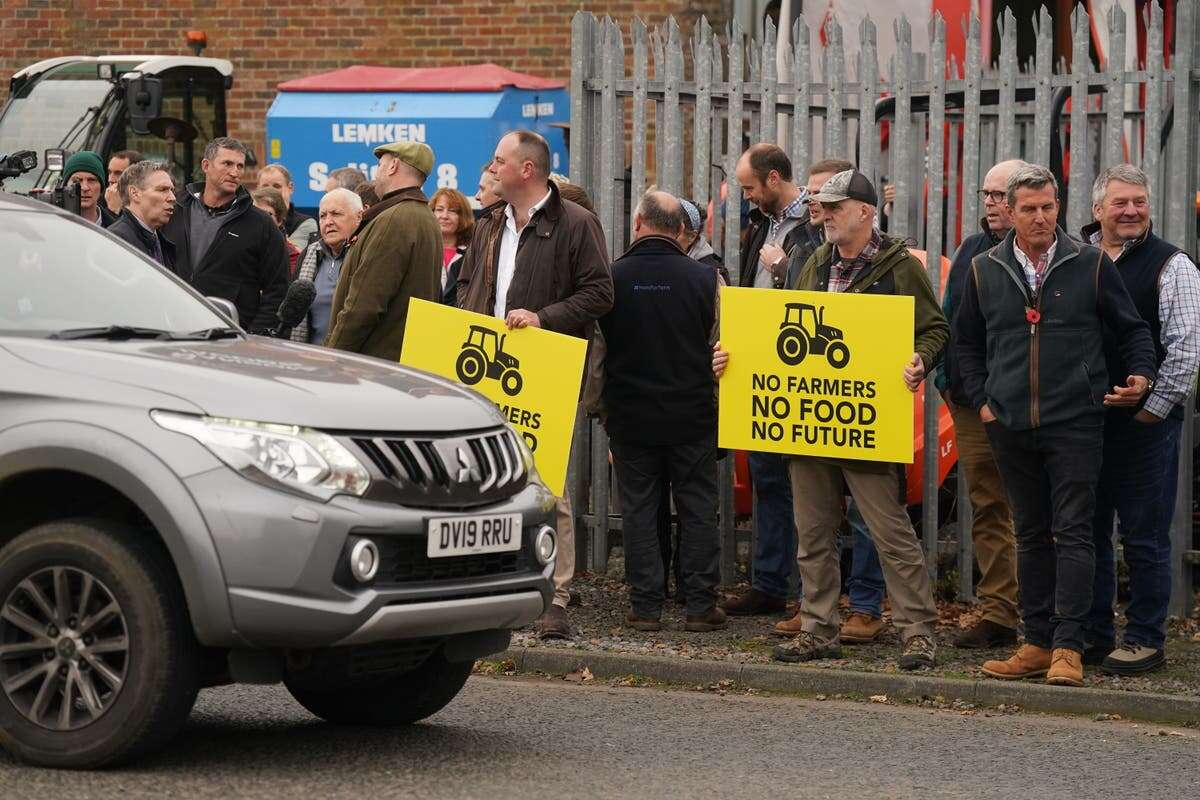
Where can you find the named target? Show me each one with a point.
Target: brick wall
(270, 41)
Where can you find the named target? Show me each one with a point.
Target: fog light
(364, 560)
(544, 545)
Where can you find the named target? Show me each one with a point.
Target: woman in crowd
(272, 203)
(453, 213)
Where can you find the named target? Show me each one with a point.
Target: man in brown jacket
(396, 256)
(538, 260)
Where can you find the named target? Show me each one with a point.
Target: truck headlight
(300, 458)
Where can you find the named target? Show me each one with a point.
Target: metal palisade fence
(708, 96)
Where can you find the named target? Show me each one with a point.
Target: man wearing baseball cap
(87, 170)
(396, 255)
(856, 258)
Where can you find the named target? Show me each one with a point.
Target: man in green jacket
(857, 259)
(396, 255)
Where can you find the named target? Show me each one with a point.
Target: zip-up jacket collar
(1004, 255)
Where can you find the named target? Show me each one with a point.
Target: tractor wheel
(838, 354)
(470, 367)
(792, 346)
(511, 382)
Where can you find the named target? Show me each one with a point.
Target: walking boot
(806, 647)
(713, 620)
(752, 604)
(860, 629)
(1030, 661)
(1066, 668)
(788, 627)
(553, 624)
(985, 634)
(640, 623)
(1133, 659)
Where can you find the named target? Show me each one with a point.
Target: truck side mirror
(143, 98)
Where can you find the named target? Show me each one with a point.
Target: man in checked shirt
(856, 258)
(1141, 439)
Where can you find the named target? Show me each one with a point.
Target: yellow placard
(531, 374)
(817, 374)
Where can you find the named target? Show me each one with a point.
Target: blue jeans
(775, 542)
(866, 585)
(1137, 485)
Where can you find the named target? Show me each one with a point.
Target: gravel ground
(598, 623)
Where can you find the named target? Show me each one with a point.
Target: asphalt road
(506, 738)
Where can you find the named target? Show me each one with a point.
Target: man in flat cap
(396, 256)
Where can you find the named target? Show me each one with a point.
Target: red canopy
(468, 78)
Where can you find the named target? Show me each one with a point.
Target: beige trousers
(564, 562)
(817, 498)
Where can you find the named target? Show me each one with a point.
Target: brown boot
(553, 624)
(860, 629)
(752, 604)
(1066, 668)
(713, 620)
(789, 627)
(1030, 661)
(642, 623)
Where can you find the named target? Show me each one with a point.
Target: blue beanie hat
(692, 213)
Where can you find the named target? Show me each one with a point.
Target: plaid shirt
(1179, 319)
(793, 210)
(1035, 272)
(843, 271)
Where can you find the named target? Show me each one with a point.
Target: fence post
(1079, 190)
(898, 223)
(670, 178)
(641, 73)
(933, 264)
(1114, 95)
(1006, 132)
(868, 82)
(801, 96)
(835, 78)
(1042, 94)
(973, 77)
(702, 117)
(1181, 230)
(581, 117)
(1151, 156)
(769, 67)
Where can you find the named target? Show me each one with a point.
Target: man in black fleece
(1029, 337)
(225, 246)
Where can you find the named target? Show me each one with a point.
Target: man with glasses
(991, 520)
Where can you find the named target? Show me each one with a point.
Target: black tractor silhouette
(796, 341)
(483, 356)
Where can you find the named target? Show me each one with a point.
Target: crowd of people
(1064, 359)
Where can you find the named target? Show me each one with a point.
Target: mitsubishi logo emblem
(465, 471)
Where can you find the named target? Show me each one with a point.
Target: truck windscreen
(54, 111)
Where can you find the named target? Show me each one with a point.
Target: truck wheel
(98, 663)
(791, 346)
(399, 700)
(511, 382)
(838, 354)
(470, 367)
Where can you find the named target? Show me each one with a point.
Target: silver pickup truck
(183, 505)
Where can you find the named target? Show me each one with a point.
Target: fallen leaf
(879, 698)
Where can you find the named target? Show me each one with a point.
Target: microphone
(299, 298)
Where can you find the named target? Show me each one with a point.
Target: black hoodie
(246, 264)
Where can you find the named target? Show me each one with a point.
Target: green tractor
(483, 356)
(796, 341)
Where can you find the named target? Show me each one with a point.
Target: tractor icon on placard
(483, 356)
(804, 331)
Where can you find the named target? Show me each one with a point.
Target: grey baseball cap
(848, 185)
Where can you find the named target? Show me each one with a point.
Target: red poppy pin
(1033, 316)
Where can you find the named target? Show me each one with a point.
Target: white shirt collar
(508, 209)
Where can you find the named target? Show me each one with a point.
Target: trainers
(985, 634)
(806, 647)
(642, 623)
(752, 604)
(919, 653)
(789, 627)
(553, 624)
(1030, 661)
(713, 620)
(860, 629)
(1066, 668)
(1133, 659)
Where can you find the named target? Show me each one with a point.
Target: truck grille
(456, 471)
(403, 560)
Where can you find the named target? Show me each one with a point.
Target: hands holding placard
(520, 318)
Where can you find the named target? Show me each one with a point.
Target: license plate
(472, 535)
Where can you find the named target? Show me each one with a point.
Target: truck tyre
(397, 700)
(791, 346)
(470, 367)
(98, 662)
